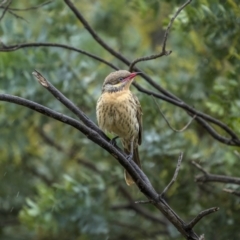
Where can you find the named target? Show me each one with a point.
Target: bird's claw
(113, 141)
(129, 157)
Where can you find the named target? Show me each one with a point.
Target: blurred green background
(54, 182)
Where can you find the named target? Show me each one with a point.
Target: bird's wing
(139, 118)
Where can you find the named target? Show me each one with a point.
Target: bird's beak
(132, 75)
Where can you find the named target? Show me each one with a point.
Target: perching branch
(139, 177)
(163, 52)
(65, 101)
(88, 122)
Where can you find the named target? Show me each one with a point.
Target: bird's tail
(136, 159)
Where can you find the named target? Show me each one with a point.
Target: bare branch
(16, 15)
(200, 117)
(65, 101)
(30, 8)
(3, 2)
(93, 33)
(5, 9)
(175, 130)
(200, 216)
(174, 176)
(163, 52)
(132, 205)
(207, 177)
(199, 167)
(218, 178)
(11, 48)
(237, 193)
(143, 202)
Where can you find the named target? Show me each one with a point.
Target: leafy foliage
(55, 183)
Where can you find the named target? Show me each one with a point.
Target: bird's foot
(113, 141)
(129, 157)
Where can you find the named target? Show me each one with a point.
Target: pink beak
(131, 76)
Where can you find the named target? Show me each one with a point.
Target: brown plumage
(119, 112)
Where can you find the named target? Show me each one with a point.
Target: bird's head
(118, 81)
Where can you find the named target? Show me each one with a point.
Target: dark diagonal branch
(163, 52)
(139, 177)
(208, 177)
(202, 214)
(93, 33)
(65, 101)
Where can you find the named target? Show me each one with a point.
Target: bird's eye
(121, 78)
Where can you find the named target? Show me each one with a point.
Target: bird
(119, 112)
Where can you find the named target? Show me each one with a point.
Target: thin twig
(202, 214)
(199, 167)
(17, 16)
(132, 205)
(30, 8)
(3, 2)
(218, 178)
(174, 176)
(208, 177)
(175, 130)
(234, 141)
(143, 202)
(163, 52)
(234, 192)
(10, 48)
(5, 9)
